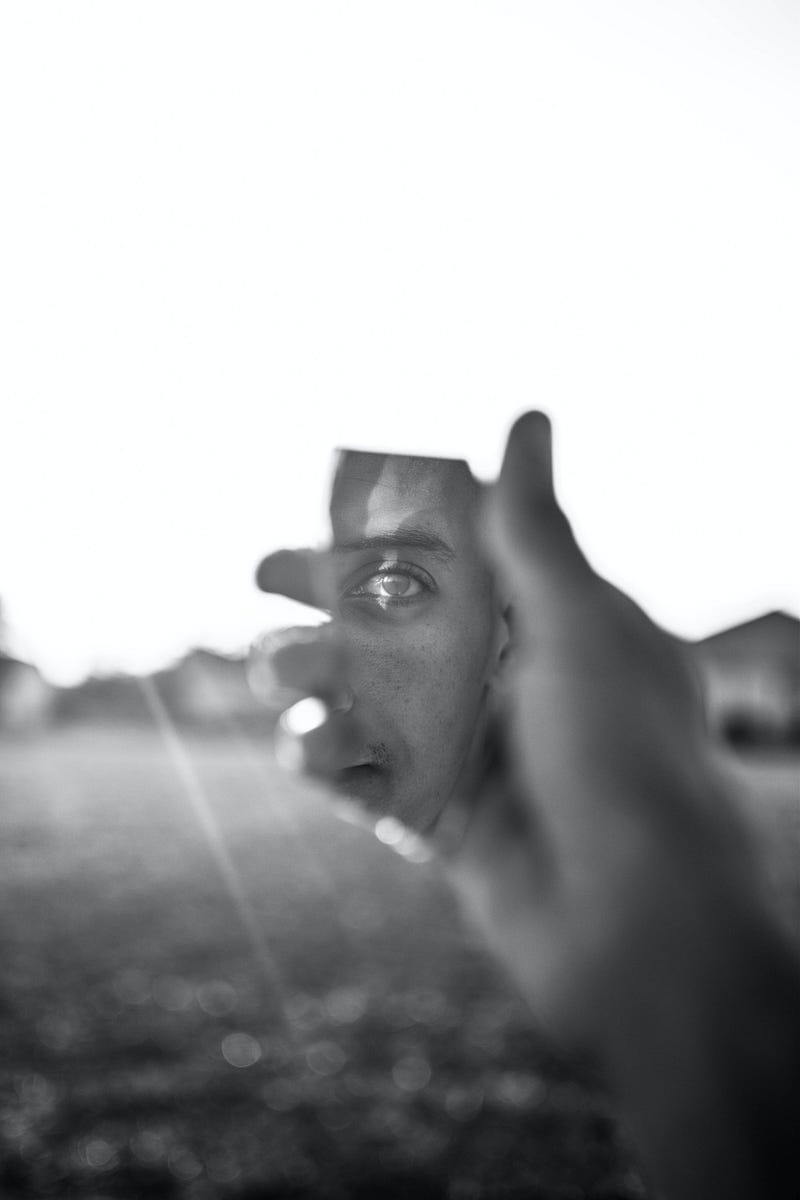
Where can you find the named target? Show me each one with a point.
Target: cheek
(422, 684)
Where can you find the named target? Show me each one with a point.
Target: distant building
(203, 689)
(751, 674)
(104, 700)
(26, 699)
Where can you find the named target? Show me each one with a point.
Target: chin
(419, 813)
(375, 790)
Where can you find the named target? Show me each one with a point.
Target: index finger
(303, 575)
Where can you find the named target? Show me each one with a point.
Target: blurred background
(233, 238)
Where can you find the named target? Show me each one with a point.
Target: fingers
(312, 738)
(302, 575)
(528, 460)
(286, 665)
(301, 673)
(526, 533)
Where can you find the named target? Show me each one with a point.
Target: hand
(600, 790)
(299, 674)
(610, 827)
(599, 847)
(623, 893)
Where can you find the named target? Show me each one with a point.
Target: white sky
(235, 235)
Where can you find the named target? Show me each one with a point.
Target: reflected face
(417, 612)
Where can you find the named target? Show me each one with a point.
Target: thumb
(526, 533)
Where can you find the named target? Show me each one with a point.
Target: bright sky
(235, 235)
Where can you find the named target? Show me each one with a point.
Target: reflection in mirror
(421, 625)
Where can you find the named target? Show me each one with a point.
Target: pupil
(396, 585)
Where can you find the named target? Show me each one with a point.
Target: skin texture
(598, 847)
(419, 626)
(409, 661)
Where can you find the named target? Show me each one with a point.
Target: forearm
(679, 983)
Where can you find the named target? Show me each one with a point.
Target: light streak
(203, 812)
(314, 868)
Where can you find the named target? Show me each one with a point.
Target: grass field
(211, 987)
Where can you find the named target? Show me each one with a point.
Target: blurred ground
(367, 1048)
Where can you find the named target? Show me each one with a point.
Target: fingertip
(532, 424)
(273, 571)
(525, 529)
(523, 502)
(314, 739)
(527, 470)
(294, 725)
(298, 574)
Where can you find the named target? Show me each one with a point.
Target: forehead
(374, 494)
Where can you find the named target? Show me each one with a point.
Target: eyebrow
(407, 537)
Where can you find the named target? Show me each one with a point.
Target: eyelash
(388, 567)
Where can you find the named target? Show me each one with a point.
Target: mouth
(360, 770)
(365, 781)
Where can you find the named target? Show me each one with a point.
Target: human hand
(606, 830)
(628, 904)
(594, 837)
(590, 789)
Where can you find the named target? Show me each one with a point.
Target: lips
(364, 781)
(360, 770)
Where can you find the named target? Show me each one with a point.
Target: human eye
(391, 584)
